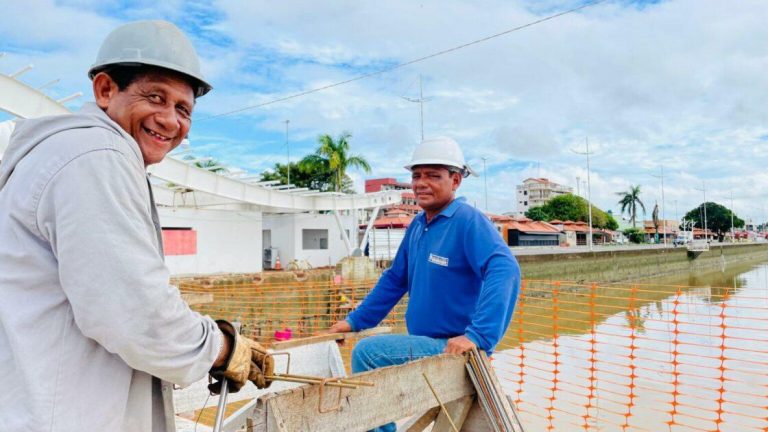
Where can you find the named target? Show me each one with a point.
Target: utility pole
(732, 232)
(420, 101)
(663, 214)
(578, 186)
(706, 230)
(704, 190)
(485, 179)
(589, 192)
(288, 151)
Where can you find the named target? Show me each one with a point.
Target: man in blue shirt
(461, 278)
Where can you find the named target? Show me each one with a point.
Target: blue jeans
(389, 350)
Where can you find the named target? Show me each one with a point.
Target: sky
(675, 84)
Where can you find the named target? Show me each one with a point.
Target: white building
(535, 192)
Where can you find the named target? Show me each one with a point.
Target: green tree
(571, 207)
(629, 202)
(334, 155)
(302, 175)
(718, 218)
(537, 214)
(211, 165)
(567, 207)
(611, 224)
(635, 235)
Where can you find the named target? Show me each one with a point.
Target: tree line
(571, 207)
(324, 170)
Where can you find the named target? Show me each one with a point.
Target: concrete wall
(622, 265)
(286, 233)
(227, 241)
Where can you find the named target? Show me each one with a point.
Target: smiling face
(434, 187)
(155, 109)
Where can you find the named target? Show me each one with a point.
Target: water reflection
(687, 352)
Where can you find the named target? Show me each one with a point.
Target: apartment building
(537, 191)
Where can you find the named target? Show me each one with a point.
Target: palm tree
(211, 164)
(629, 201)
(334, 156)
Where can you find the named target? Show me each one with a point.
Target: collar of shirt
(448, 211)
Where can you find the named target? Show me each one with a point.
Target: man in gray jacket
(89, 325)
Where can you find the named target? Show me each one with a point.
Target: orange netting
(577, 356)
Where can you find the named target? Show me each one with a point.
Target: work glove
(247, 361)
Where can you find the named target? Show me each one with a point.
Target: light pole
(485, 187)
(578, 186)
(420, 101)
(732, 233)
(704, 190)
(589, 192)
(663, 214)
(706, 230)
(288, 152)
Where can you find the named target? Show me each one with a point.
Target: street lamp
(732, 232)
(704, 190)
(589, 192)
(663, 214)
(288, 152)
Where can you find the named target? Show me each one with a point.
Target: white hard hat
(153, 43)
(440, 151)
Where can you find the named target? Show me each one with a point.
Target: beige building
(537, 191)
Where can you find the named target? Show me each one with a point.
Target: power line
(408, 63)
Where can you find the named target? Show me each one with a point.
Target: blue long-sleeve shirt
(461, 278)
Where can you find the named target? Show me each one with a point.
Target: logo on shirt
(435, 259)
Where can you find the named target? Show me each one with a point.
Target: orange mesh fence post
(521, 340)
(592, 355)
(675, 353)
(721, 390)
(555, 363)
(632, 375)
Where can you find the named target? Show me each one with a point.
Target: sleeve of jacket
(95, 214)
(492, 260)
(390, 288)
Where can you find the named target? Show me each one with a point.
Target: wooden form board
(399, 392)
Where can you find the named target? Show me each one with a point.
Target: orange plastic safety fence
(592, 357)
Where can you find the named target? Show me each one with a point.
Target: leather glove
(247, 361)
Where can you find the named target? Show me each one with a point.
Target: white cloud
(675, 83)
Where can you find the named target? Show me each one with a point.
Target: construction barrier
(592, 357)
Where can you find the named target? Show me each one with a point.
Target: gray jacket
(87, 317)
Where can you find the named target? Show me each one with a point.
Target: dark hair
(125, 74)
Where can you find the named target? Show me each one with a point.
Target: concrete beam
(24, 101)
(176, 171)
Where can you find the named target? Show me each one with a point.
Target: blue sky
(679, 83)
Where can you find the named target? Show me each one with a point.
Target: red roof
(527, 225)
(537, 180)
(396, 221)
(375, 185)
(556, 222)
(579, 226)
(409, 208)
(499, 218)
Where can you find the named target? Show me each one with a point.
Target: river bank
(636, 264)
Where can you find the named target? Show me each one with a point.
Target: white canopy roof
(24, 101)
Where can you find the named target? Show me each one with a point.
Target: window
(314, 239)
